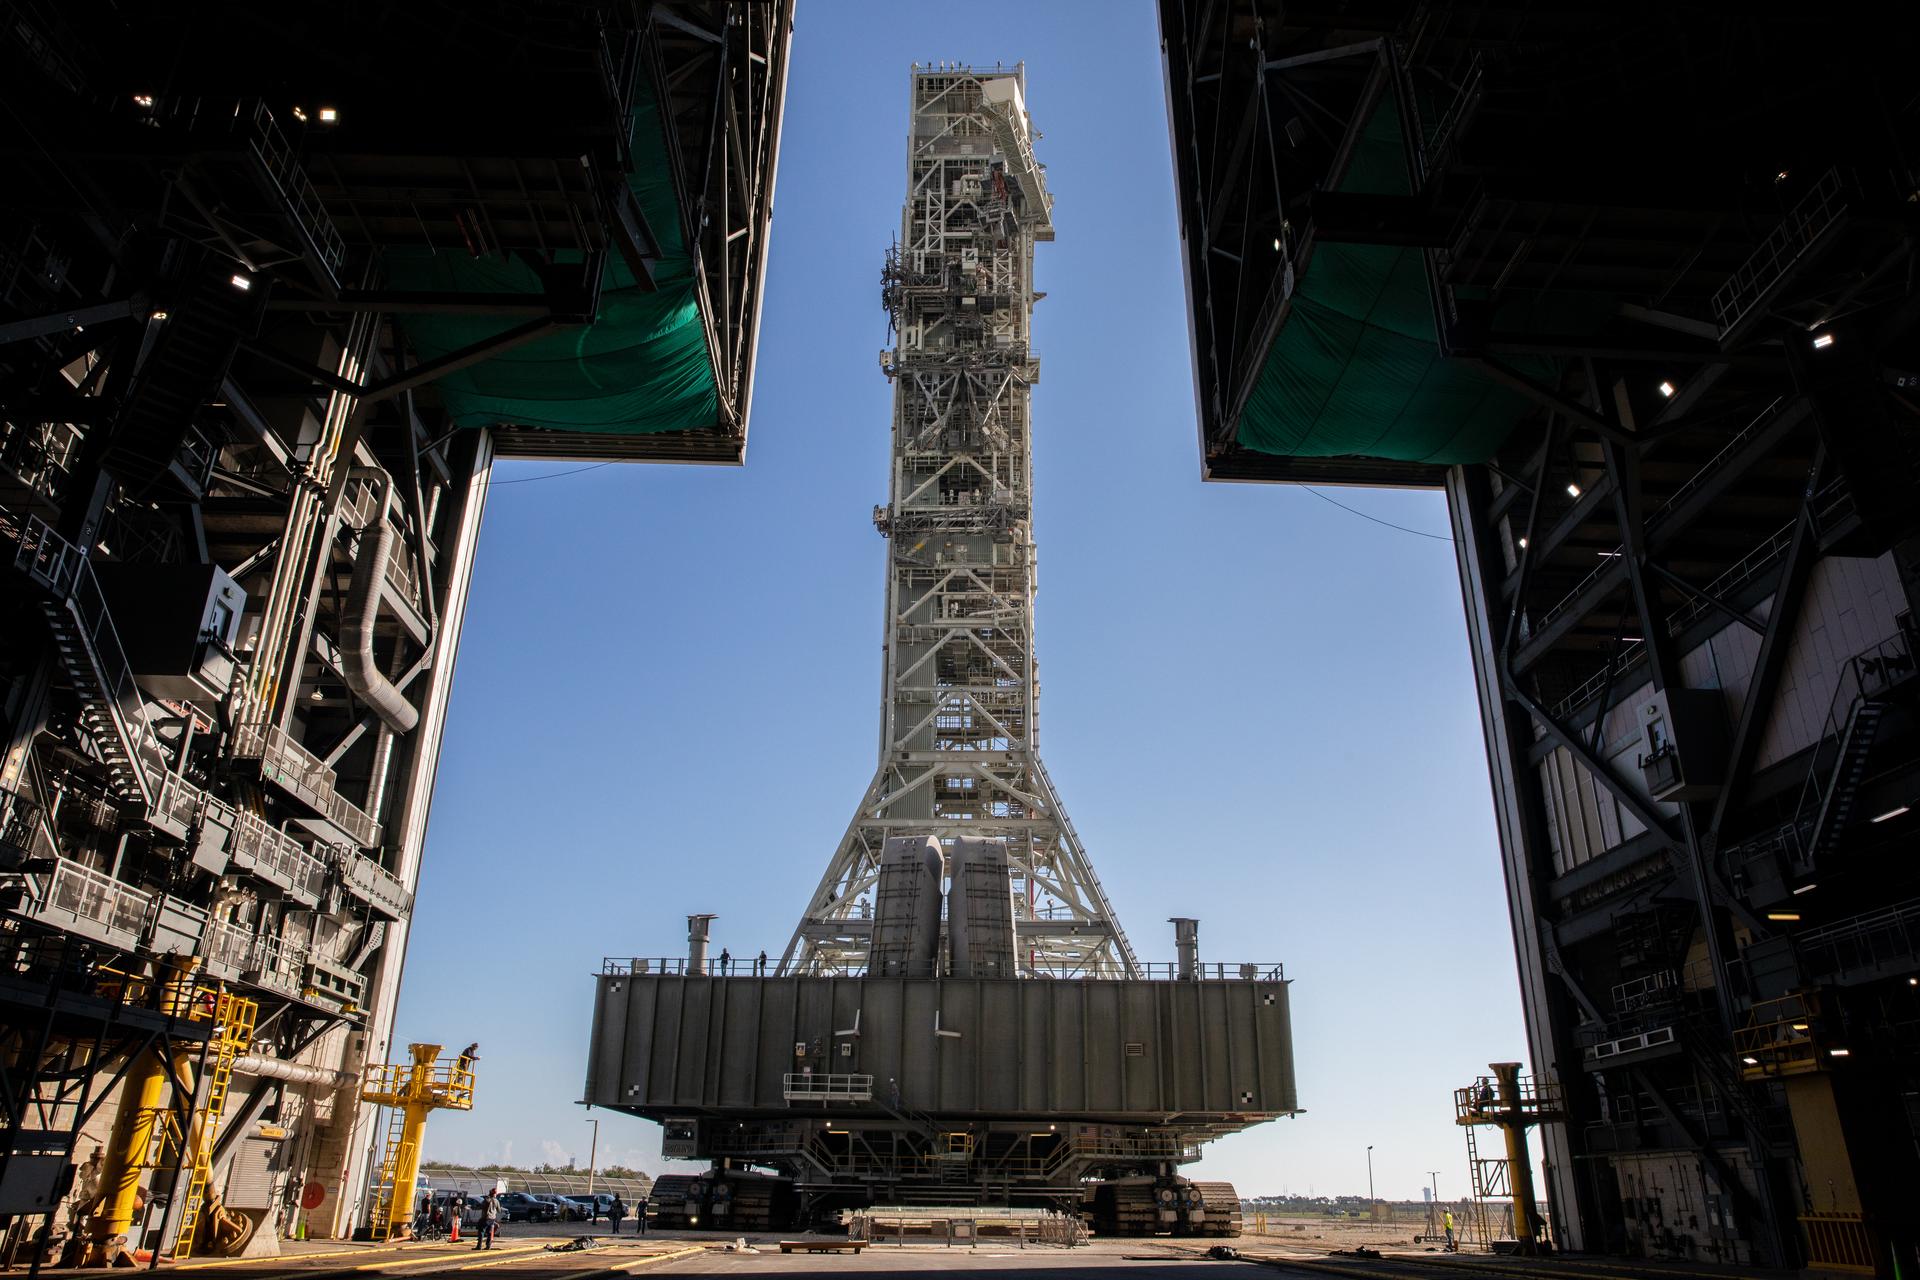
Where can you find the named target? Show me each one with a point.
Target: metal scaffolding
(959, 747)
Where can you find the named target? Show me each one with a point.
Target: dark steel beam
(1672, 519)
(454, 361)
(1708, 598)
(419, 302)
(64, 321)
(1562, 736)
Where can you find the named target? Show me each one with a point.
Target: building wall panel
(1851, 604)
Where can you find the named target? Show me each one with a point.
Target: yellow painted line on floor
(284, 1257)
(517, 1255)
(638, 1263)
(445, 1255)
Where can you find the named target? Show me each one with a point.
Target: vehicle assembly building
(275, 292)
(959, 1018)
(1636, 289)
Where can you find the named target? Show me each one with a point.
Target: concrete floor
(522, 1254)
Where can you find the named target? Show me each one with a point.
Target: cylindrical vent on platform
(697, 928)
(1186, 945)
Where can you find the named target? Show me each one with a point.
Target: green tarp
(1355, 370)
(642, 367)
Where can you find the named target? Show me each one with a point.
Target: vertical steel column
(1523, 849)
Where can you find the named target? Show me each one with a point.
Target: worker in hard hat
(1448, 1223)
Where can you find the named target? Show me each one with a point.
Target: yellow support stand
(413, 1090)
(141, 1124)
(1510, 1103)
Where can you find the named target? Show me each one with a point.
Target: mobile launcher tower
(959, 1017)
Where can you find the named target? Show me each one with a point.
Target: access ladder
(235, 1017)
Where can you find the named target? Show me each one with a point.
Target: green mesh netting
(1355, 370)
(641, 368)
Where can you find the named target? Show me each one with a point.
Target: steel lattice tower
(958, 740)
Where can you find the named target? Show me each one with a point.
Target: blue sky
(1258, 707)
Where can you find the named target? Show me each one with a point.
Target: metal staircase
(235, 1016)
(1861, 698)
(193, 345)
(111, 707)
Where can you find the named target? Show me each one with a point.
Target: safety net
(1355, 370)
(642, 367)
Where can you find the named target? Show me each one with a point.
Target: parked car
(564, 1210)
(584, 1208)
(518, 1206)
(599, 1205)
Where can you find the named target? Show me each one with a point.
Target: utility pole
(1433, 1202)
(593, 1152)
(1372, 1204)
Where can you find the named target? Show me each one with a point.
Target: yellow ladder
(233, 1034)
(387, 1216)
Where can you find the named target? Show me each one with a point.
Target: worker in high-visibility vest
(1451, 1247)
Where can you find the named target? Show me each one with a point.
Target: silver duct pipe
(252, 1064)
(1186, 945)
(363, 674)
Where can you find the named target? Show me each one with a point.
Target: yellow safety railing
(446, 1083)
(1780, 1038)
(1839, 1242)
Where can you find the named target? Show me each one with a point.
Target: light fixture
(1608, 555)
(240, 282)
(300, 114)
(316, 695)
(1631, 639)
(1666, 389)
(1523, 544)
(1573, 491)
(1893, 813)
(1752, 1062)
(1787, 916)
(1822, 340)
(1799, 1026)
(1780, 176)
(1839, 1053)
(1276, 244)
(1913, 982)
(329, 115)
(143, 100)
(1806, 888)
(158, 315)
